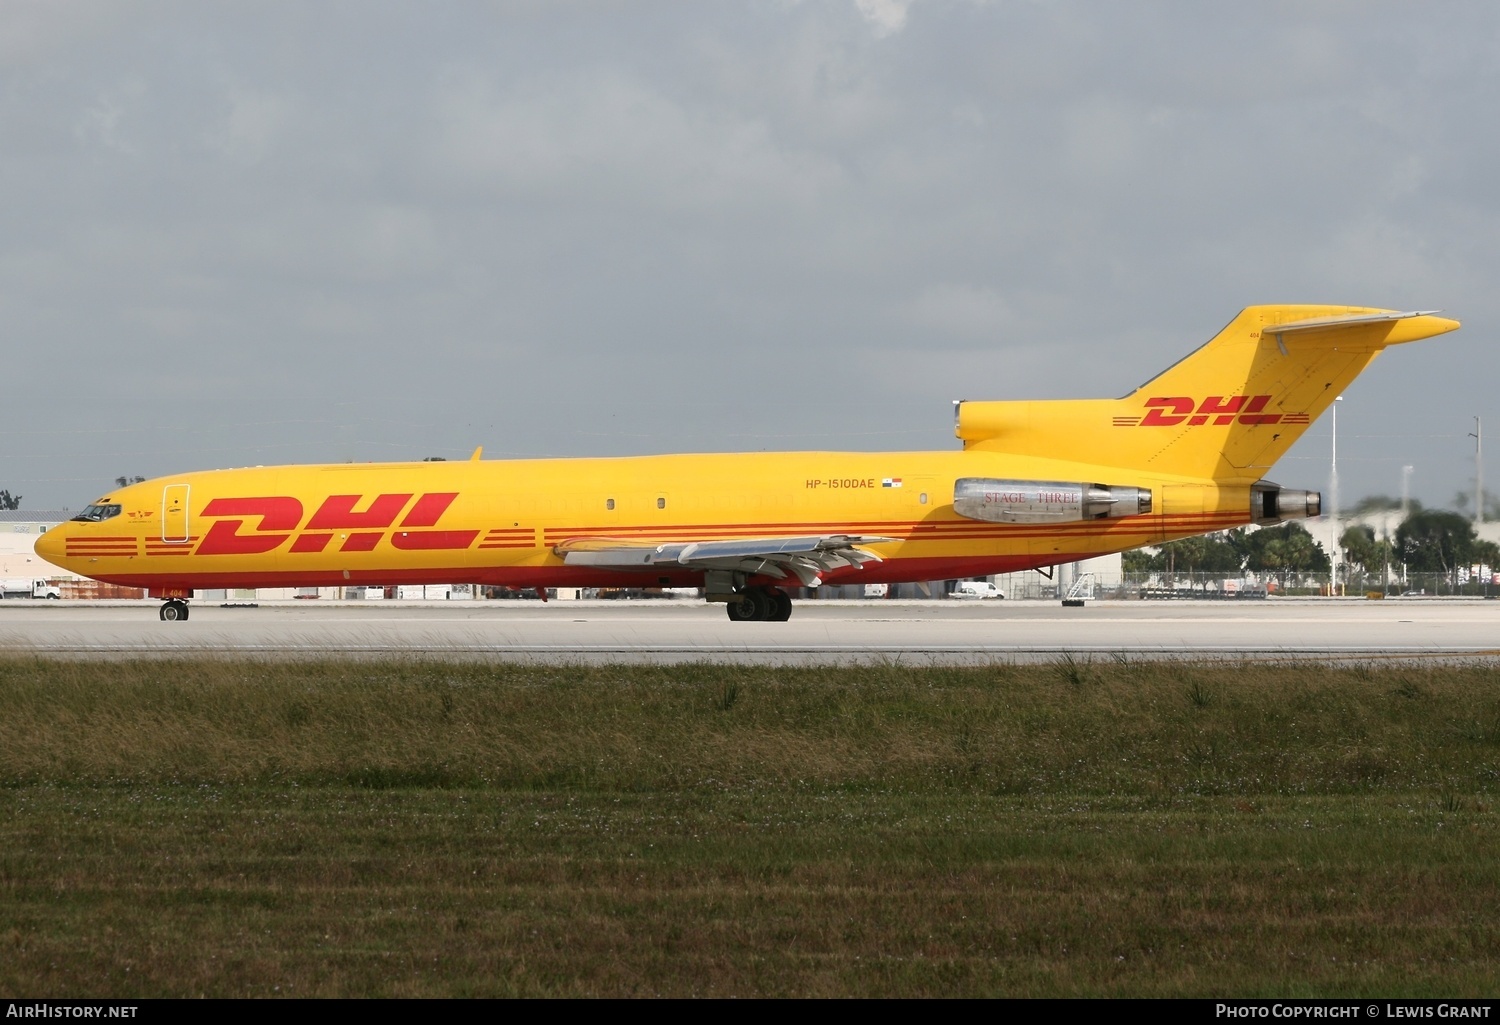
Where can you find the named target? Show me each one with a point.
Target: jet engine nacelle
(1272, 503)
(1045, 501)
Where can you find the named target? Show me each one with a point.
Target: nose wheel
(174, 610)
(760, 605)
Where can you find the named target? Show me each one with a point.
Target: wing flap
(806, 558)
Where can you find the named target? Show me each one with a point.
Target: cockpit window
(98, 513)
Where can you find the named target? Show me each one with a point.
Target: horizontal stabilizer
(1355, 320)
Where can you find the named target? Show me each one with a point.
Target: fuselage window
(609, 503)
(661, 503)
(98, 513)
(922, 498)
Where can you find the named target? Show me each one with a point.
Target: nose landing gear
(760, 605)
(174, 610)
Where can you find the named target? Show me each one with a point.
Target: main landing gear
(760, 604)
(173, 610)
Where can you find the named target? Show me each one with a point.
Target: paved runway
(661, 631)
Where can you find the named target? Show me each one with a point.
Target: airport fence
(1211, 586)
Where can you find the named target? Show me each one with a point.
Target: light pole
(1405, 507)
(1478, 435)
(1333, 497)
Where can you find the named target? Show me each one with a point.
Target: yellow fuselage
(498, 522)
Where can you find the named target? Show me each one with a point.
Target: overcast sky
(241, 233)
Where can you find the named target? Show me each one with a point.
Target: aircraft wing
(806, 558)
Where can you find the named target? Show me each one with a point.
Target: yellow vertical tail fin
(1227, 412)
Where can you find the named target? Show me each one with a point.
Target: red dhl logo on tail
(360, 530)
(1177, 410)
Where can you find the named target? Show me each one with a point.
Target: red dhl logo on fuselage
(1177, 410)
(280, 517)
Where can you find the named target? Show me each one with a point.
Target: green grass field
(410, 828)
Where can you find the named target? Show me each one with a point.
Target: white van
(976, 589)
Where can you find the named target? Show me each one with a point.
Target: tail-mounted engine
(1045, 501)
(1272, 503)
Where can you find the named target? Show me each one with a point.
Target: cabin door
(174, 514)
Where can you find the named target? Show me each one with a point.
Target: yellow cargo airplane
(1036, 484)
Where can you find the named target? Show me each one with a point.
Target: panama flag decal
(890, 482)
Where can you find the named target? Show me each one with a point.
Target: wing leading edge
(806, 558)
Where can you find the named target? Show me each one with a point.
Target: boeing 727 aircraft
(1035, 484)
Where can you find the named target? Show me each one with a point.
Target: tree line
(1283, 552)
(1427, 541)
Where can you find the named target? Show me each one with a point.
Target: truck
(28, 587)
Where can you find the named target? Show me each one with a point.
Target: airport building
(19, 530)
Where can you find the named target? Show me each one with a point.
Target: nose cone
(51, 545)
